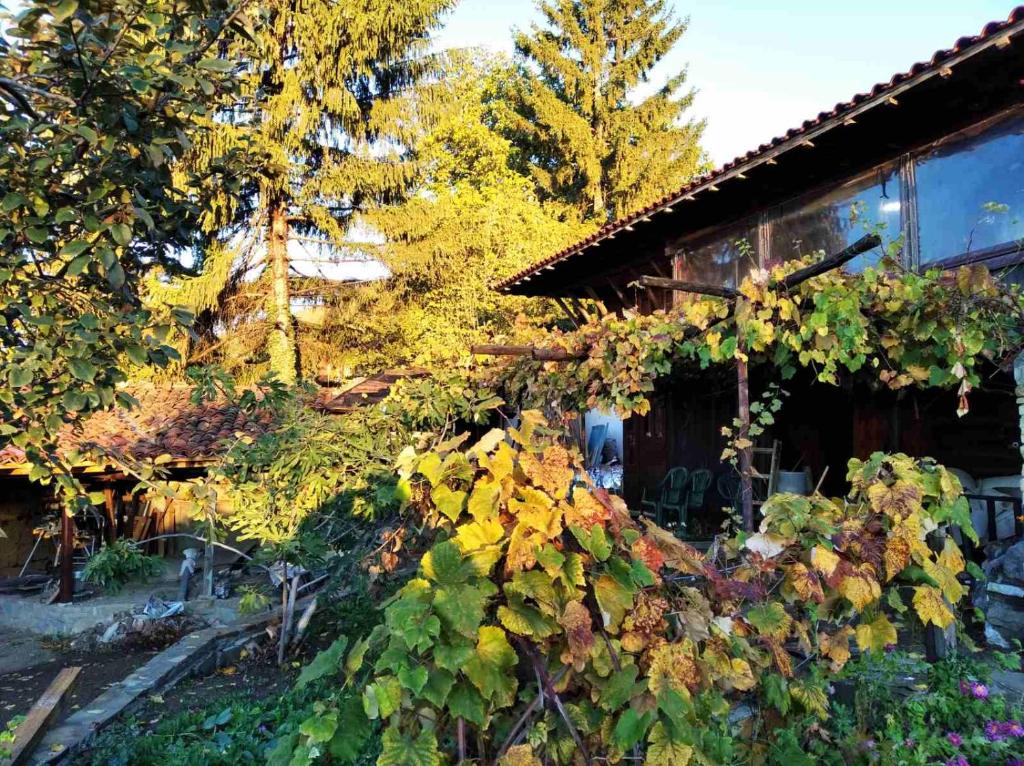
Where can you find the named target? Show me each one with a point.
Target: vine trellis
(899, 327)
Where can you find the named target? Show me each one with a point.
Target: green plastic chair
(700, 480)
(672, 496)
(728, 486)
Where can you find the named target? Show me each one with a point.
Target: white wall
(614, 423)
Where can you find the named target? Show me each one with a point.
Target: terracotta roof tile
(165, 423)
(363, 391)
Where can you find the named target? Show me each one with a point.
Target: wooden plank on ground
(40, 716)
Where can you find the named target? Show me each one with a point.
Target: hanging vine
(896, 328)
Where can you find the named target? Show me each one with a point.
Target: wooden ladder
(769, 479)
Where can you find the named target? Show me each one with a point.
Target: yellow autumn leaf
(874, 636)
(519, 755)
(674, 667)
(951, 558)
(824, 560)
(579, 634)
(860, 590)
(930, 607)
(951, 587)
(803, 583)
(836, 647)
(898, 500)
(897, 556)
(662, 750)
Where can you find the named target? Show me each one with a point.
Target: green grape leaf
(461, 607)
(320, 727)
(776, 692)
(631, 727)
(453, 656)
(620, 687)
(414, 680)
(490, 667)
(444, 564)
(352, 734)
(524, 620)
(399, 749)
(614, 601)
(439, 683)
(326, 662)
(382, 697)
(465, 702)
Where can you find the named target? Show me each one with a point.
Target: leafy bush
(115, 565)
(253, 600)
(547, 623)
(7, 735)
(908, 712)
(227, 730)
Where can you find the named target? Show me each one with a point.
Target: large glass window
(838, 218)
(970, 193)
(721, 260)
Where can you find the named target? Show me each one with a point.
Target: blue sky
(762, 67)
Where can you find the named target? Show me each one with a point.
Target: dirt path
(20, 688)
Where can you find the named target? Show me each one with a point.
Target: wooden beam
(598, 301)
(66, 591)
(538, 354)
(703, 288)
(489, 349)
(581, 309)
(29, 732)
(862, 245)
(568, 311)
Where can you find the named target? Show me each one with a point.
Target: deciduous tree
(99, 99)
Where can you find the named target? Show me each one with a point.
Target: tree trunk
(283, 358)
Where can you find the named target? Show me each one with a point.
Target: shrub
(547, 622)
(119, 563)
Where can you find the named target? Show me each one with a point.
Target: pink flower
(974, 689)
(994, 731)
(955, 739)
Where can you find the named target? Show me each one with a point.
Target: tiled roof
(363, 391)
(995, 33)
(165, 423)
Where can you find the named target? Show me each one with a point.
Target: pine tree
(321, 123)
(585, 136)
(472, 221)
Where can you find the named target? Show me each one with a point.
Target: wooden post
(746, 453)
(67, 550)
(938, 642)
(110, 504)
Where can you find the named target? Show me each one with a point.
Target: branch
(683, 286)
(514, 733)
(549, 690)
(862, 245)
(15, 88)
(538, 354)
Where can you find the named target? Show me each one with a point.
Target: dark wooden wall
(821, 426)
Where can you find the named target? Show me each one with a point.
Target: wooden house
(934, 159)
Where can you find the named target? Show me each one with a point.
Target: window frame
(763, 220)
